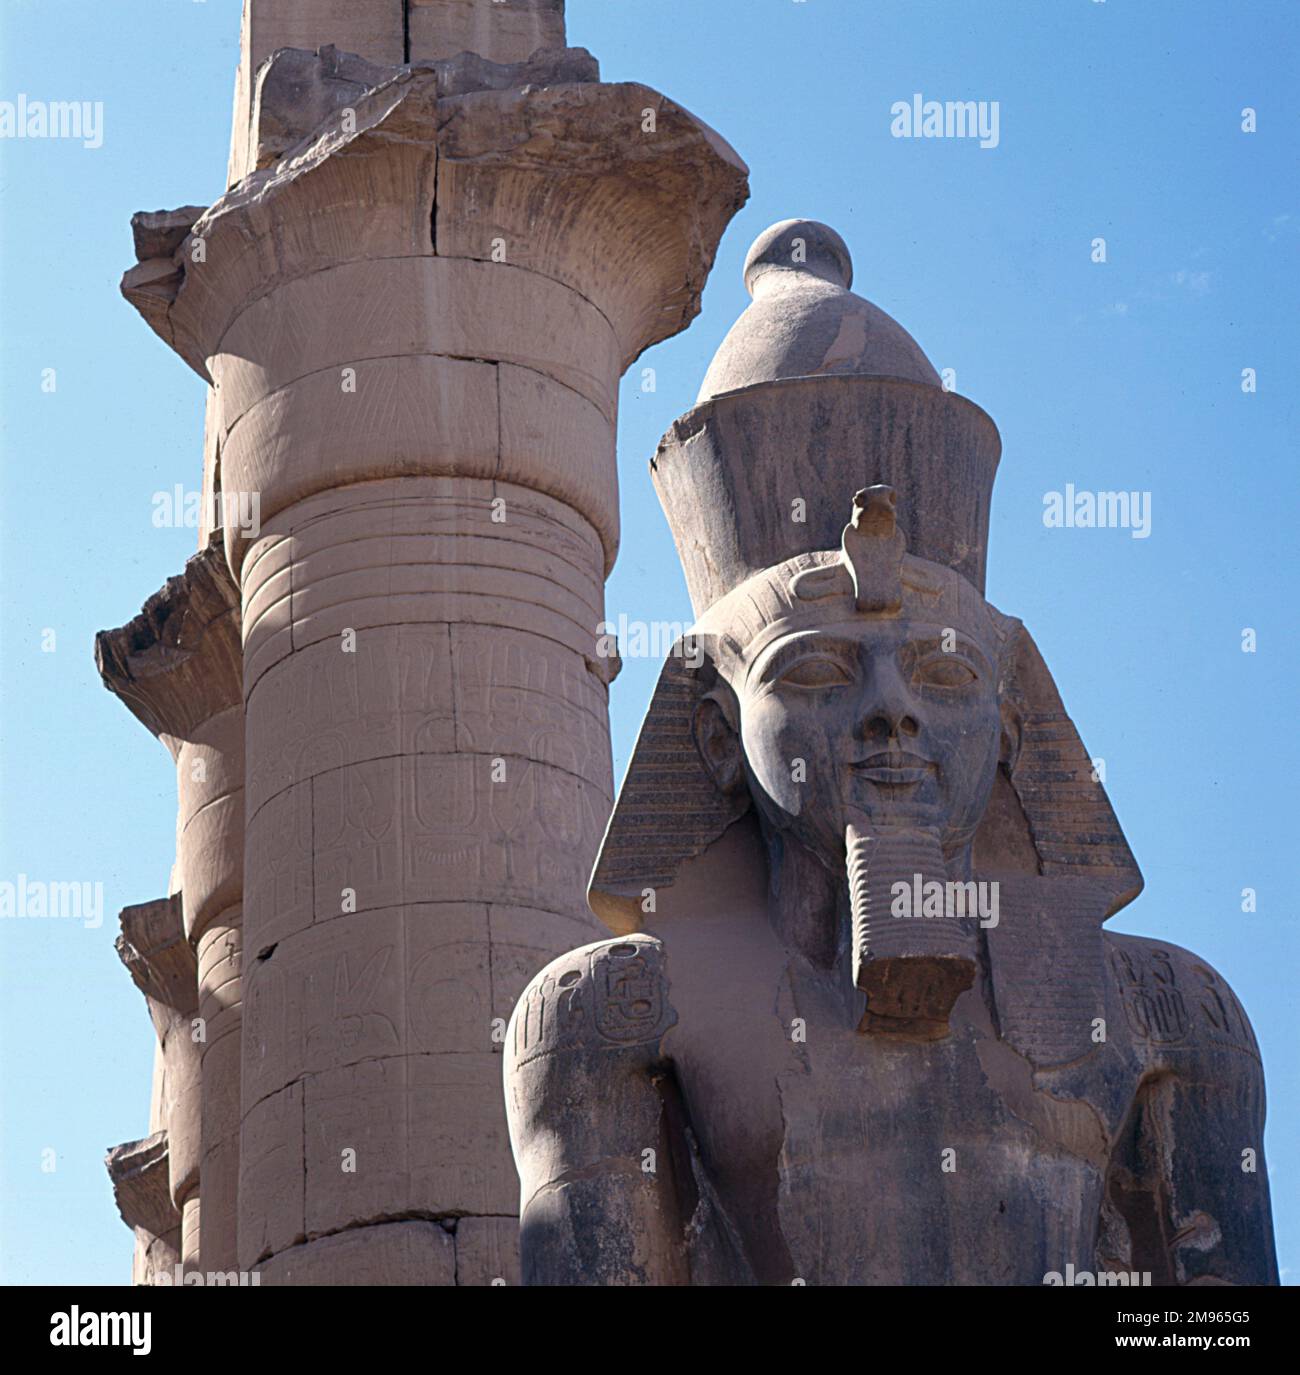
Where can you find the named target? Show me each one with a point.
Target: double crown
(814, 395)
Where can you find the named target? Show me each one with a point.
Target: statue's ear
(717, 738)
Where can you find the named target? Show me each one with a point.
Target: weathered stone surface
(396, 1253)
(157, 956)
(506, 31)
(297, 91)
(272, 1149)
(472, 41)
(861, 1023)
(159, 233)
(373, 30)
(155, 1258)
(487, 1251)
(177, 664)
(139, 1172)
(219, 1135)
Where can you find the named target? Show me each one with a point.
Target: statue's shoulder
(1176, 1002)
(600, 999)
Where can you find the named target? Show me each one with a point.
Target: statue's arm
(589, 1125)
(1217, 1215)
(1200, 1143)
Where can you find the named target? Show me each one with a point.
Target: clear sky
(1118, 120)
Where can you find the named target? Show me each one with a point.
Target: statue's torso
(835, 1157)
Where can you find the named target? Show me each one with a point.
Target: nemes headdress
(824, 458)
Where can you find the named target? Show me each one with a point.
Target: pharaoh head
(829, 498)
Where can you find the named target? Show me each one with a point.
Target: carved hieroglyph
(859, 1022)
(443, 242)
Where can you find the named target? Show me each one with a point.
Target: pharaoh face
(863, 688)
(891, 721)
(895, 721)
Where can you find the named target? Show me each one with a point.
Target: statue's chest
(901, 1169)
(902, 1163)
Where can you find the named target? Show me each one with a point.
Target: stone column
(415, 314)
(177, 667)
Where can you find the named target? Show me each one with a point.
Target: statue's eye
(946, 671)
(815, 673)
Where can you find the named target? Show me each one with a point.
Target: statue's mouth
(893, 768)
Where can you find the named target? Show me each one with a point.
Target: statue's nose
(888, 708)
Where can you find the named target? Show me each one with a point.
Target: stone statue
(859, 1022)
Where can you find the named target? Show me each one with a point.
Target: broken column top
(180, 661)
(609, 189)
(388, 32)
(157, 956)
(297, 90)
(139, 1171)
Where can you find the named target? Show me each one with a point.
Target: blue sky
(1119, 120)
